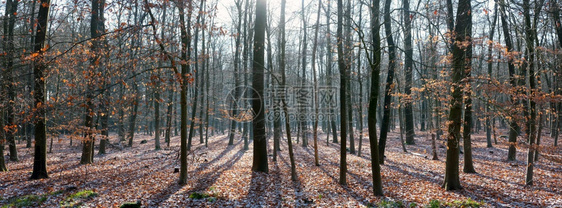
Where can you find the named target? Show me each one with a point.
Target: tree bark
(343, 79)
(89, 136)
(282, 43)
(408, 67)
(104, 106)
(2, 140)
(185, 28)
(530, 36)
(314, 47)
(40, 153)
(373, 99)
(490, 57)
(462, 33)
(385, 125)
(513, 128)
(259, 163)
(10, 126)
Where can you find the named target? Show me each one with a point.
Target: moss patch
(26, 201)
(78, 198)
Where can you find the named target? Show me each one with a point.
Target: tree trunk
(373, 99)
(185, 28)
(460, 64)
(104, 106)
(530, 36)
(260, 143)
(236, 72)
(329, 73)
(408, 67)
(314, 47)
(490, 57)
(9, 90)
(89, 136)
(343, 90)
(40, 153)
(539, 136)
(388, 86)
(2, 139)
(282, 43)
(157, 90)
(197, 82)
(348, 57)
(511, 155)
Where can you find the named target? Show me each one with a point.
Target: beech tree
(40, 153)
(461, 62)
(343, 90)
(260, 143)
(372, 111)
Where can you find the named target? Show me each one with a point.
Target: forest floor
(220, 176)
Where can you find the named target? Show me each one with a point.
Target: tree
(513, 127)
(10, 126)
(185, 28)
(282, 43)
(105, 96)
(40, 153)
(529, 63)
(373, 99)
(467, 127)
(89, 136)
(260, 143)
(461, 55)
(314, 47)
(236, 71)
(385, 125)
(490, 55)
(343, 79)
(408, 67)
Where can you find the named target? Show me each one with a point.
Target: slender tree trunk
(89, 136)
(329, 72)
(314, 47)
(490, 57)
(2, 139)
(169, 113)
(185, 28)
(513, 128)
(373, 99)
(40, 153)
(104, 106)
(467, 128)
(360, 81)
(133, 116)
(539, 136)
(408, 67)
(558, 78)
(282, 43)
(236, 71)
(10, 127)
(530, 36)
(385, 126)
(157, 99)
(343, 90)
(198, 81)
